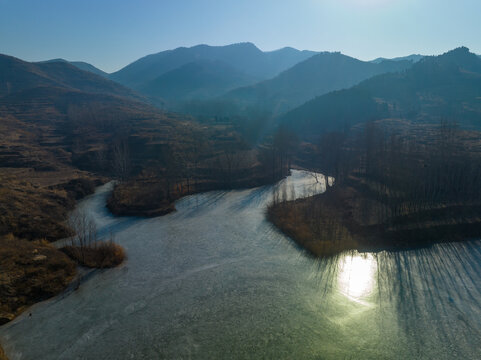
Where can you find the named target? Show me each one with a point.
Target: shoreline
(131, 199)
(82, 272)
(325, 225)
(51, 271)
(33, 272)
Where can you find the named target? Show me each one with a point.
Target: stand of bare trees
(404, 173)
(85, 246)
(395, 187)
(85, 232)
(276, 155)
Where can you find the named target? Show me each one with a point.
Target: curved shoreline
(216, 264)
(131, 198)
(45, 262)
(325, 225)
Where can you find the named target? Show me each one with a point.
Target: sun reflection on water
(356, 276)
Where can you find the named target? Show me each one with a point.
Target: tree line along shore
(396, 187)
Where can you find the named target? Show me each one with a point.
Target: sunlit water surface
(216, 280)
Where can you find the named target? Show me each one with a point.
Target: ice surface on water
(215, 280)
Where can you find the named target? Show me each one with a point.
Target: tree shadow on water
(256, 197)
(436, 296)
(194, 205)
(431, 295)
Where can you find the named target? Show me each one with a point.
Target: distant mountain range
(446, 86)
(300, 87)
(414, 58)
(318, 75)
(245, 57)
(244, 77)
(199, 72)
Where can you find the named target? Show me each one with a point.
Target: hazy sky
(112, 33)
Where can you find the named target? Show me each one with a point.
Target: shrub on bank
(100, 255)
(85, 247)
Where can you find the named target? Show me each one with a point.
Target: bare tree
(121, 161)
(85, 232)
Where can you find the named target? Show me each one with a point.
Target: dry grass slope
(30, 272)
(33, 211)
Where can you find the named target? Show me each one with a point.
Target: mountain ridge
(18, 75)
(312, 77)
(437, 87)
(82, 65)
(245, 57)
(413, 57)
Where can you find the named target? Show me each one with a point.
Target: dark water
(215, 280)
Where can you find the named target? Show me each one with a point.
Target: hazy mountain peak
(241, 45)
(289, 49)
(460, 57)
(245, 45)
(245, 57)
(285, 48)
(459, 54)
(82, 65)
(52, 60)
(414, 58)
(459, 50)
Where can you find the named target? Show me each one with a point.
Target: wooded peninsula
(396, 186)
